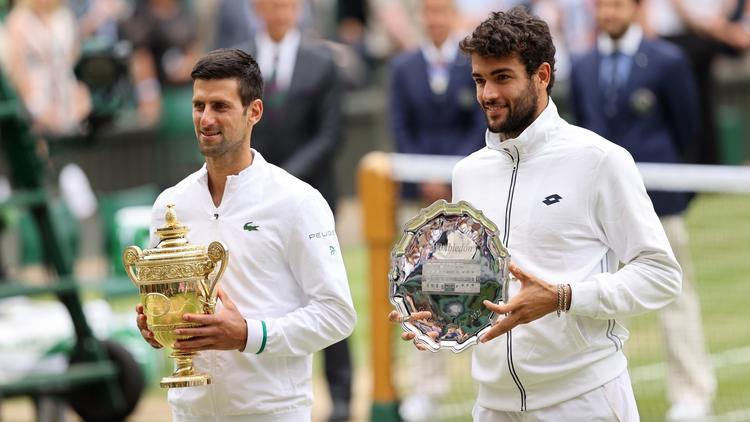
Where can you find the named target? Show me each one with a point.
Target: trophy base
(185, 381)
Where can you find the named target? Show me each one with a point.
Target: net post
(377, 195)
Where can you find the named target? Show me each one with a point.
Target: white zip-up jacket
(570, 206)
(285, 271)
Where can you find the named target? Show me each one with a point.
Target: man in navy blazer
(640, 93)
(432, 97)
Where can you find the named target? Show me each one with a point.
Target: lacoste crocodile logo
(251, 227)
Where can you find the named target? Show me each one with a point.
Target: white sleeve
(314, 257)
(624, 218)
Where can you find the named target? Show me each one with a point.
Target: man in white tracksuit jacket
(570, 206)
(286, 278)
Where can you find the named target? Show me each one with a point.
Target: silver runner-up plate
(448, 260)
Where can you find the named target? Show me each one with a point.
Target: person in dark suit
(302, 97)
(641, 94)
(432, 105)
(300, 131)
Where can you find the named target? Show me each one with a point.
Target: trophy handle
(217, 251)
(130, 256)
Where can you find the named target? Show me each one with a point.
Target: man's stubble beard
(520, 116)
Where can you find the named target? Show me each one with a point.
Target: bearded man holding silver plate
(569, 206)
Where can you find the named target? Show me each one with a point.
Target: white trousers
(612, 402)
(690, 376)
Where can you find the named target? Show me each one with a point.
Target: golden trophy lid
(172, 228)
(175, 259)
(173, 244)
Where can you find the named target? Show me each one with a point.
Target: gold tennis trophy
(173, 279)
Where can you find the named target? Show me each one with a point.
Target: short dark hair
(232, 63)
(515, 32)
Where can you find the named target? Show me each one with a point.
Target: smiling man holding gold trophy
(286, 279)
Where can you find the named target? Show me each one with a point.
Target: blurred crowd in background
(43, 42)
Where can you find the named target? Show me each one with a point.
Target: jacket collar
(445, 54)
(627, 44)
(251, 173)
(532, 138)
(286, 51)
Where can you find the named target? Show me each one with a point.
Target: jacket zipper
(212, 360)
(506, 237)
